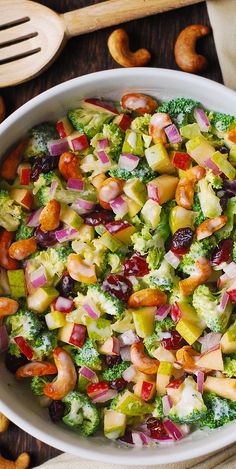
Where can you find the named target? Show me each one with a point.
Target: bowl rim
(215, 440)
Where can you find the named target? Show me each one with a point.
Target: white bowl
(16, 400)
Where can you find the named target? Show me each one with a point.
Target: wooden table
(87, 54)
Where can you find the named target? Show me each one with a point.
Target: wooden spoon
(32, 35)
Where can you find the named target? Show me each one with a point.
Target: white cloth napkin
(222, 15)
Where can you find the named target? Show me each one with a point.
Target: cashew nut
(147, 297)
(8, 169)
(141, 361)
(50, 216)
(108, 191)
(185, 356)
(118, 45)
(185, 190)
(69, 166)
(4, 423)
(36, 369)
(22, 248)
(209, 226)
(22, 462)
(66, 378)
(158, 121)
(186, 56)
(2, 109)
(201, 274)
(8, 306)
(139, 103)
(80, 270)
(6, 262)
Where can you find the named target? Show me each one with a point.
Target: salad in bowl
(118, 268)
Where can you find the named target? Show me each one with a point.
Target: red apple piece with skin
(110, 347)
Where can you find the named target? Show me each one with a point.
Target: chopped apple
(181, 160)
(144, 321)
(186, 311)
(223, 387)
(114, 424)
(111, 346)
(228, 341)
(136, 190)
(110, 241)
(224, 165)
(73, 334)
(140, 376)
(164, 355)
(133, 207)
(145, 389)
(199, 149)
(123, 121)
(151, 213)
(64, 127)
(99, 329)
(188, 330)
(17, 284)
(133, 143)
(164, 373)
(132, 405)
(55, 320)
(41, 298)
(212, 359)
(162, 188)
(24, 172)
(158, 159)
(22, 197)
(98, 105)
(181, 218)
(121, 232)
(174, 394)
(70, 217)
(78, 141)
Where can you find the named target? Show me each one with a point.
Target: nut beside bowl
(15, 400)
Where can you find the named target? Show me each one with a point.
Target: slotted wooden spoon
(32, 35)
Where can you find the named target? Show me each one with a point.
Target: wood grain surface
(87, 54)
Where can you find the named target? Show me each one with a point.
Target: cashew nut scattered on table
(186, 56)
(4, 423)
(118, 45)
(2, 109)
(22, 462)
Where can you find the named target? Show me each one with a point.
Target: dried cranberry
(155, 427)
(66, 286)
(56, 410)
(176, 383)
(12, 362)
(229, 187)
(222, 252)
(45, 239)
(136, 265)
(118, 286)
(222, 149)
(182, 240)
(119, 384)
(127, 437)
(224, 201)
(112, 360)
(43, 164)
(174, 342)
(98, 217)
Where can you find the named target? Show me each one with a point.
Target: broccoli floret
(197, 208)
(24, 232)
(163, 277)
(143, 172)
(198, 249)
(230, 211)
(10, 213)
(219, 411)
(221, 121)
(163, 229)
(64, 252)
(206, 304)
(155, 257)
(129, 404)
(87, 121)
(38, 382)
(180, 110)
(115, 261)
(105, 302)
(24, 323)
(54, 262)
(191, 406)
(215, 181)
(43, 196)
(230, 366)
(87, 355)
(209, 202)
(145, 238)
(158, 409)
(152, 342)
(115, 371)
(165, 325)
(176, 294)
(44, 344)
(13, 349)
(93, 252)
(40, 135)
(141, 123)
(81, 413)
(45, 179)
(115, 136)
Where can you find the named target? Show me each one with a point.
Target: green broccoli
(197, 208)
(129, 404)
(87, 121)
(191, 406)
(115, 136)
(43, 196)
(87, 355)
(180, 110)
(24, 231)
(158, 409)
(155, 257)
(198, 249)
(145, 239)
(106, 303)
(152, 342)
(206, 304)
(143, 172)
(93, 252)
(215, 181)
(10, 213)
(38, 382)
(81, 413)
(221, 121)
(40, 135)
(115, 371)
(44, 345)
(115, 261)
(230, 366)
(13, 349)
(219, 411)
(230, 211)
(163, 277)
(24, 323)
(209, 202)
(164, 325)
(45, 179)
(163, 229)
(141, 123)
(64, 252)
(53, 260)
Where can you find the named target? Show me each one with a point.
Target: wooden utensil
(32, 35)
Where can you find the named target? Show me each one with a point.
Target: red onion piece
(119, 206)
(223, 302)
(63, 304)
(53, 188)
(129, 373)
(166, 404)
(162, 312)
(128, 338)
(153, 192)
(173, 430)
(103, 157)
(38, 278)
(211, 165)
(173, 134)
(57, 147)
(209, 341)
(145, 438)
(125, 353)
(200, 381)
(137, 440)
(75, 184)
(201, 119)
(83, 206)
(66, 234)
(3, 339)
(172, 259)
(128, 161)
(33, 218)
(89, 374)
(103, 143)
(105, 396)
(91, 309)
(230, 269)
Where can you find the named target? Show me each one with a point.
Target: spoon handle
(111, 12)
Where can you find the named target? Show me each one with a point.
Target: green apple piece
(232, 154)
(133, 207)
(189, 331)
(158, 159)
(224, 165)
(133, 143)
(109, 242)
(181, 218)
(147, 140)
(151, 212)
(16, 279)
(189, 313)
(99, 329)
(136, 190)
(144, 321)
(132, 405)
(165, 368)
(82, 383)
(200, 149)
(190, 131)
(41, 298)
(228, 341)
(70, 217)
(114, 424)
